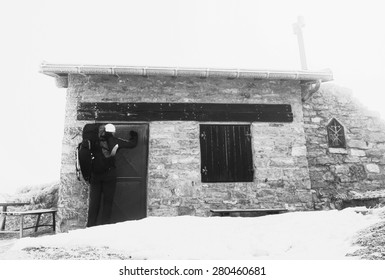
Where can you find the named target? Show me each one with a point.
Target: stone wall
(174, 169)
(281, 177)
(73, 194)
(339, 175)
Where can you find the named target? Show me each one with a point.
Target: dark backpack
(85, 151)
(90, 157)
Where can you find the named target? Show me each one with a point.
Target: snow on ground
(297, 235)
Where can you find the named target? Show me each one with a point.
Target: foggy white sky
(346, 36)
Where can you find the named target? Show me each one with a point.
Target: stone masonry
(356, 172)
(174, 187)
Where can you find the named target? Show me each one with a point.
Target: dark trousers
(101, 184)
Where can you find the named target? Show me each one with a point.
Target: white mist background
(346, 36)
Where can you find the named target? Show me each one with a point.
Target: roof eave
(65, 69)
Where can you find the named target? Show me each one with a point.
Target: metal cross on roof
(297, 28)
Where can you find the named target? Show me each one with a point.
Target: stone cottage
(215, 139)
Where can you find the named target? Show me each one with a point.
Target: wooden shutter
(226, 154)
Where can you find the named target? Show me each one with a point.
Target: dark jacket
(112, 141)
(108, 146)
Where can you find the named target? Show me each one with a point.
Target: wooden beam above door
(113, 111)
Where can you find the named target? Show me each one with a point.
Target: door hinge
(203, 135)
(204, 170)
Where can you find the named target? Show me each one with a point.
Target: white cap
(110, 128)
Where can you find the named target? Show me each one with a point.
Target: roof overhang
(308, 78)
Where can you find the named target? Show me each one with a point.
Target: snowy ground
(300, 235)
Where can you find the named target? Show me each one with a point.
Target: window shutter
(226, 154)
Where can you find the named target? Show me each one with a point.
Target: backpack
(89, 154)
(85, 151)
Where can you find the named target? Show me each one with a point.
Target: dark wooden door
(130, 201)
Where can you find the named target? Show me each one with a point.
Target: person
(103, 176)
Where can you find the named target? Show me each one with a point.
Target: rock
(316, 120)
(358, 144)
(338, 151)
(357, 153)
(373, 168)
(342, 169)
(183, 210)
(328, 176)
(299, 151)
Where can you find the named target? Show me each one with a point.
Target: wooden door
(130, 201)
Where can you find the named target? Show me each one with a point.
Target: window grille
(336, 134)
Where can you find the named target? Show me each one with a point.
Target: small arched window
(336, 134)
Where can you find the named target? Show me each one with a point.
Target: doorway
(130, 201)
